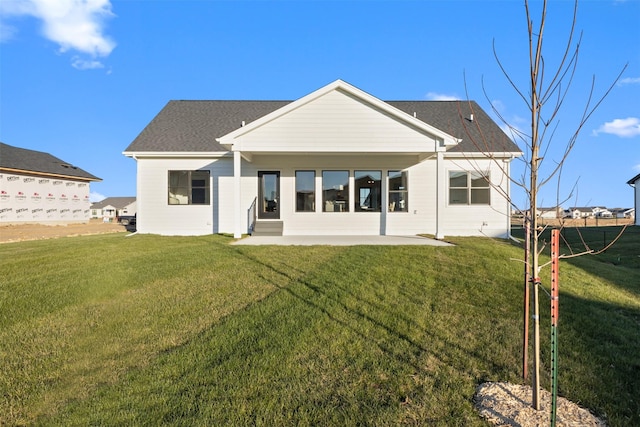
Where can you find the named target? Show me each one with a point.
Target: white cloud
(74, 25)
(83, 64)
(624, 128)
(433, 96)
(629, 81)
(96, 197)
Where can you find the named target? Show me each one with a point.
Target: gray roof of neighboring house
(116, 202)
(183, 126)
(24, 160)
(634, 179)
(583, 208)
(614, 210)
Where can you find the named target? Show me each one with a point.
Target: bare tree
(545, 95)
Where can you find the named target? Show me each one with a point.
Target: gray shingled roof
(24, 160)
(116, 202)
(195, 125)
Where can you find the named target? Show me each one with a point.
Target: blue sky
(81, 78)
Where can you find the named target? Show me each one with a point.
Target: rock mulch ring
(505, 404)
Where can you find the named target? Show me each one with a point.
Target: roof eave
(632, 181)
(176, 154)
(508, 155)
(50, 174)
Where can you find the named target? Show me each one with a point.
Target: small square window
(189, 187)
(469, 188)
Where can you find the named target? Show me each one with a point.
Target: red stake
(555, 264)
(525, 334)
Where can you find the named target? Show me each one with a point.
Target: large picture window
(469, 188)
(398, 191)
(189, 187)
(335, 191)
(368, 188)
(305, 191)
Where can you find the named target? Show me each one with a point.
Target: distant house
(337, 161)
(635, 183)
(550, 213)
(623, 212)
(37, 187)
(602, 212)
(113, 207)
(580, 212)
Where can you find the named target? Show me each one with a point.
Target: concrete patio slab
(339, 240)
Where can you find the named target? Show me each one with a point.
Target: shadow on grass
(365, 311)
(325, 351)
(599, 357)
(619, 265)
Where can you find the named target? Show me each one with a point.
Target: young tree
(545, 95)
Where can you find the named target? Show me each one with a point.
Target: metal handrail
(252, 215)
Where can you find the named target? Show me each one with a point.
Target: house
(635, 183)
(37, 187)
(622, 212)
(580, 212)
(113, 207)
(602, 212)
(337, 161)
(550, 213)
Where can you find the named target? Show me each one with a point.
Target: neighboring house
(622, 212)
(602, 212)
(550, 213)
(580, 212)
(113, 207)
(635, 183)
(40, 188)
(337, 161)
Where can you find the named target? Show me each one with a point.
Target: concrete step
(268, 228)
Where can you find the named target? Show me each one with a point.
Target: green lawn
(150, 330)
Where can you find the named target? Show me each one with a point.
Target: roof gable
(353, 107)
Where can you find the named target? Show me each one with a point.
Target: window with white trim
(189, 187)
(469, 188)
(368, 187)
(398, 191)
(335, 191)
(305, 191)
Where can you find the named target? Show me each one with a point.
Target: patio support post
(237, 173)
(440, 194)
(384, 199)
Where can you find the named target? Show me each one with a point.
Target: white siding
(156, 216)
(37, 199)
(637, 202)
(336, 122)
(478, 220)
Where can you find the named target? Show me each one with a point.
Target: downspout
(636, 196)
(237, 173)
(509, 203)
(134, 157)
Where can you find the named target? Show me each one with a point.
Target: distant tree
(545, 96)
